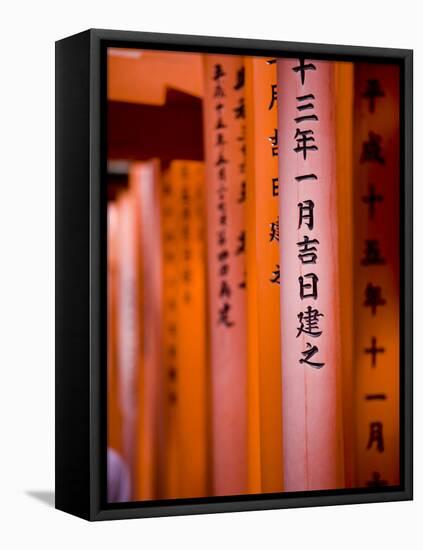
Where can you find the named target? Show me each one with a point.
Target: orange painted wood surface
(312, 423)
(226, 274)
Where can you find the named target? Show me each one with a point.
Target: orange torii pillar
(263, 283)
(312, 422)
(225, 170)
(377, 274)
(144, 184)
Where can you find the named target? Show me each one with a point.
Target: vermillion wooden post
(226, 181)
(309, 275)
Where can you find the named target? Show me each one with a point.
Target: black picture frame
(81, 274)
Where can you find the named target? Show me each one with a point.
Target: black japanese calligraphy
(307, 251)
(372, 149)
(373, 297)
(373, 91)
(308, 354)
(308, 289)
(372, 253)
(306, 214)
(374, 350)
(309, 322)
(376, 436)
(371, 199)
(305, 142)
(302, 68)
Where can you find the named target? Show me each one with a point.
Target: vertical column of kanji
(192, 372)
(225, 180)
(144, 180)
(169, 454)
(264, 265)
(376, 118)
(308, 274)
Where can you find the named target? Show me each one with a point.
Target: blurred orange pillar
(224, 109)
(377, 277)
(147, 390)
(263, 288)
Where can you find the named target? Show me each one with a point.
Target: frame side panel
(407, 274)
(72, 275)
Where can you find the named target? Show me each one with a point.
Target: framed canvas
(233, 274)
